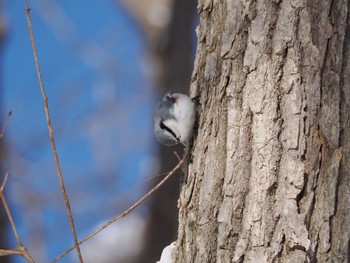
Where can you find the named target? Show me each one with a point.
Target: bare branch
(8, 213)
(48, 119)
(131, 208)
(4, 182)
(177, 156)
(8, 252)
(150, 179)
(5, 125)
(21, 250)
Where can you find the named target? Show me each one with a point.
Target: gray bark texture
(268, 175)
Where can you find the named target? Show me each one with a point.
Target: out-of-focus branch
(8, 252)
(3, 218)
(5, 125)
(21, 250)
(3, 199)
(52, 139)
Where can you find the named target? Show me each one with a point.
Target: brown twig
(21, 250)
(53, 145)
(8, 213)
(131, 208)
(4, 182)
(8, 252)
(150, 179)
(177, 155)
(5, 125)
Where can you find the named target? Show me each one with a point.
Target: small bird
(173, 119)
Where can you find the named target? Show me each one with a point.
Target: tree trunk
(269, 172)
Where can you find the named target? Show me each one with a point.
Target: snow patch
(167, 254)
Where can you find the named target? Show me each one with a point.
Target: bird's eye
(170, 98)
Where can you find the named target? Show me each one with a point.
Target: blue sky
(98, 80)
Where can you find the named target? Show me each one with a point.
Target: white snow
(167, 254)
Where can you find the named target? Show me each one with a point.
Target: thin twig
(8, 213)
(48, 119)
(4, 128)
(8, 252)
(149, 179)
(21, 250)
(158, 175)
(4, 182)
(131, 208)
(177, 155)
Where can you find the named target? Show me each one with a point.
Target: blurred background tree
(3, 219)
(170, 41)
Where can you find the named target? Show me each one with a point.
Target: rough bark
(269, 172)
